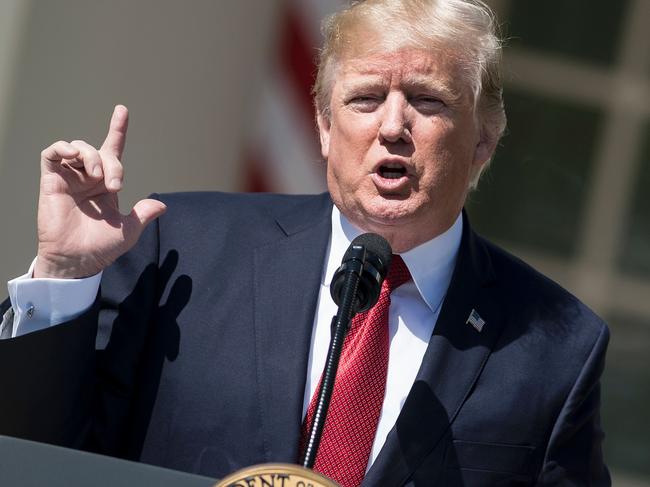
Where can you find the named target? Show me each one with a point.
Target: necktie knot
(398, 274)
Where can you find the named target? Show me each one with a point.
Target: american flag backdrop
(283, 154)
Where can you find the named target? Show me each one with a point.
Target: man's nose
(395, 125)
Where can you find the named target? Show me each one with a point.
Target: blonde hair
(465, 29)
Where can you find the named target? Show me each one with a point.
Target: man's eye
(364, 102)
(427, 104)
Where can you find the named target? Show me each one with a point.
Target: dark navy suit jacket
(203, 334)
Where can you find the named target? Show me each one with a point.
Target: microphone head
(375, 253)
(377, 248)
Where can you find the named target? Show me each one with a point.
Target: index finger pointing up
(116, 137)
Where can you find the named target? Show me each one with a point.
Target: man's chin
(390, 216)
(381, 214)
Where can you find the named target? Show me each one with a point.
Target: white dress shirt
(40, 303)
(412, 315)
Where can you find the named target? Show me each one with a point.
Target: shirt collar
(431, 264)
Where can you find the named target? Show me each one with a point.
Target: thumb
(144, 212)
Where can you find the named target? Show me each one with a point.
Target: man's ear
(483, 151)
(324, 125)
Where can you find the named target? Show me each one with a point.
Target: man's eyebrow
(364, 83)
(448, 90)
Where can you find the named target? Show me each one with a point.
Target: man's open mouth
(392, 171)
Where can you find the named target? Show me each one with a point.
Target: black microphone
(355, 288)
(368, 257)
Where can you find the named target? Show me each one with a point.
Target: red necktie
(359, 390)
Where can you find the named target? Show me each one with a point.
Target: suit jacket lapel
(452, 363)
(287, 281)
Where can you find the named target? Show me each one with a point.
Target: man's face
(402, 143)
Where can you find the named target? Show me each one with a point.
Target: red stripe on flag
(255, 181)
(297, 57)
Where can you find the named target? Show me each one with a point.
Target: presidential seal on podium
(276, 475)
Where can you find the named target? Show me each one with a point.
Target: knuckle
(117, 171)
(51, 148)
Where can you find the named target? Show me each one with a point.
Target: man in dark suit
(210, 324)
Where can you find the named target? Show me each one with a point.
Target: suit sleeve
(574, 454)
(69, 384)
(46, 379)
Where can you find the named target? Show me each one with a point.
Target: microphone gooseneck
(355, 288)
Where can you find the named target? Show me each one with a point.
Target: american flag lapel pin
(475, 320)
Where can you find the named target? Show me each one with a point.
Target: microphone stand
(340, 326)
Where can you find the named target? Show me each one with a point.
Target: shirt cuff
(41, 303)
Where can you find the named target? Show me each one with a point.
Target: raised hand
(80, 228)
